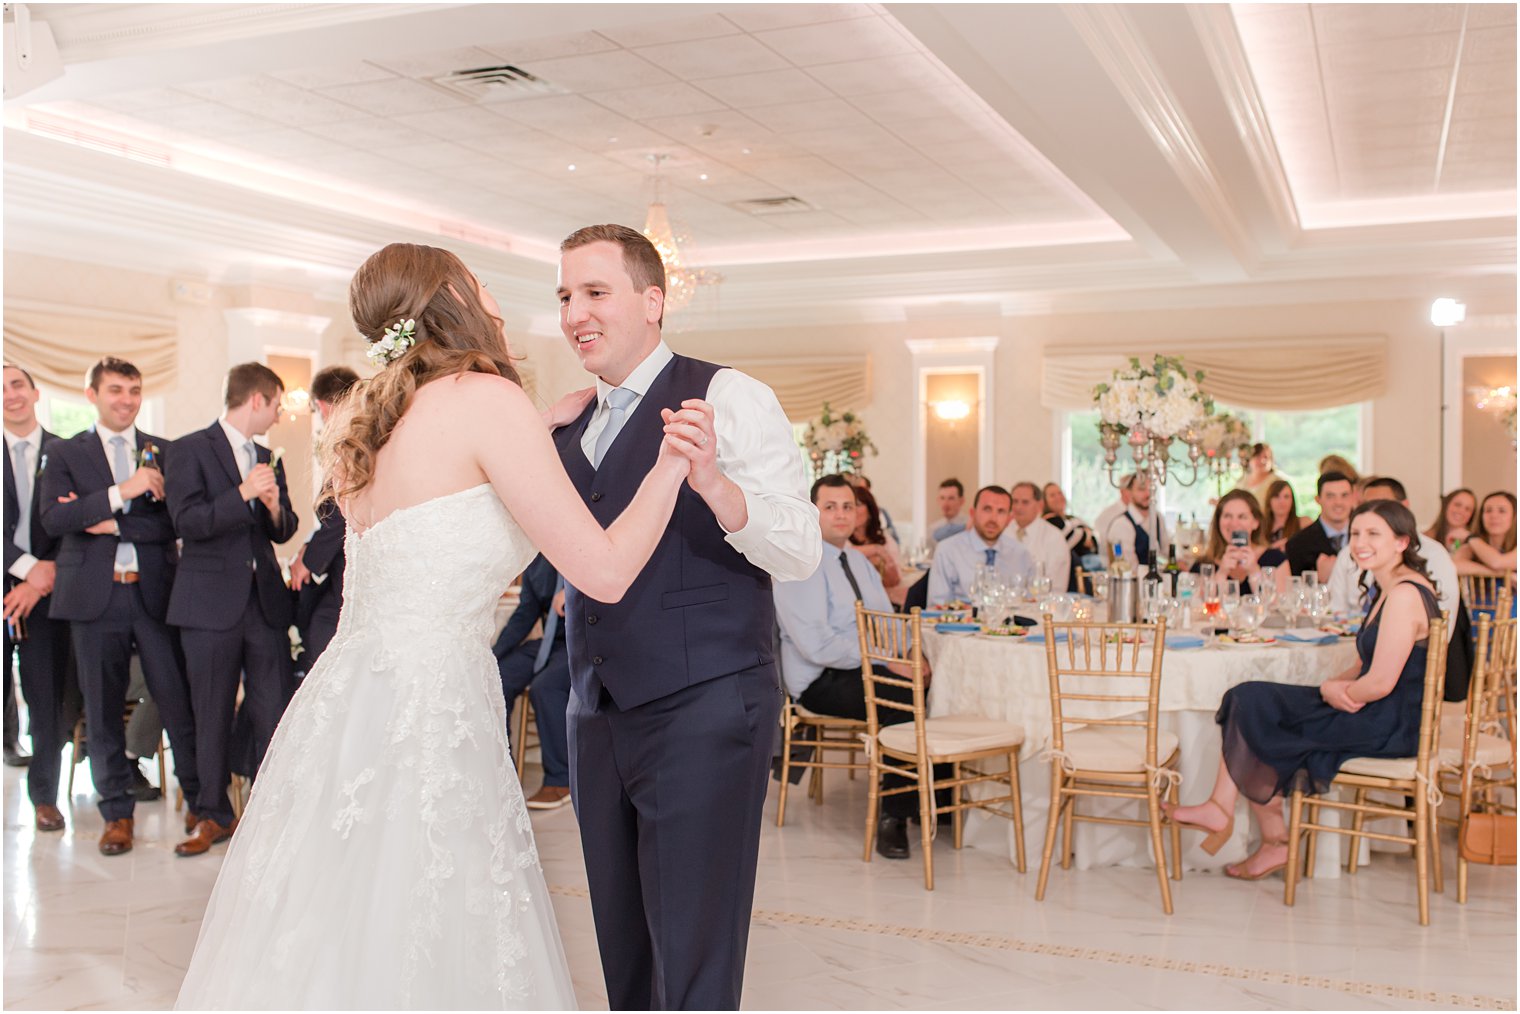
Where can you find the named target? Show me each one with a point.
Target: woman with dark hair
(386, 859)
(1457, 510)
(1282, 520)
(1276, 737)
(1237, 543)
(1491, 548)
(874, 542)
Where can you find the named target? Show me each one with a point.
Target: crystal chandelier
(681, 282)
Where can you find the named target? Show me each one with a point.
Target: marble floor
(83, 931)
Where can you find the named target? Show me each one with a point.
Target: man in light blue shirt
(952, 499)
(985, 544)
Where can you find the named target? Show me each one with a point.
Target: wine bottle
(1172, 567)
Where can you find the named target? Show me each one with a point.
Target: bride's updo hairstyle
(452, 333)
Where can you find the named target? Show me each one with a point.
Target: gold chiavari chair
(911, 749)
(1105, 691)
(81, 733)
(1405, 777)
(1482, 759)
(523, 727)
(830, 734)
(1483, 591)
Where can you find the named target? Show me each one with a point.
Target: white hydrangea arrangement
(1224, 434)
(1161, 400)
(840, 440)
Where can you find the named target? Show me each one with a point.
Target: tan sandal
(1213, 840)
(1229, 870)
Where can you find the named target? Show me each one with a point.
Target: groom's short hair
(640, 258)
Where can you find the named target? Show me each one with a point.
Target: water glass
(1252, 613)
(1060, 607)
(1099, 581)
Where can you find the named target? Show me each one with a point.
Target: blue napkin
(1038, 637)
(1308, 637)
(957, 628)
(1182, 642)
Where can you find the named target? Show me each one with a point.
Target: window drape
(802, 385)
(58, 344)
(1284, 374)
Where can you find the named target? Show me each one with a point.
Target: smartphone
(1240, 539)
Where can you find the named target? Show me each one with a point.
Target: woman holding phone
(1238, 546)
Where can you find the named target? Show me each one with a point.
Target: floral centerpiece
(1152, 406)
(836, 443)
(1223, 435)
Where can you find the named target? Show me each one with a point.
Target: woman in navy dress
(1277, 737)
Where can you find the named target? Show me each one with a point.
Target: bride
(385, 859)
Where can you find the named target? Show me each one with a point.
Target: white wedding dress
(385, 859)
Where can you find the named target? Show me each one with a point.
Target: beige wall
(1488, 455)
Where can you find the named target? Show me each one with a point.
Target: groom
(675, 699)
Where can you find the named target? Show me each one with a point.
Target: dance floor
(85, 931)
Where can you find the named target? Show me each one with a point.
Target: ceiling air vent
(496, 83)
(773, 205)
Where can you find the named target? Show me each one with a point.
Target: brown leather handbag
(1489, 838)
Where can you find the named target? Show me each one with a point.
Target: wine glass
(1319, 605)
(1060, 607)
(1251, 612)
(1099, 580)
(1293, 603)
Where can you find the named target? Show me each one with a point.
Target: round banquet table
(1002, 678)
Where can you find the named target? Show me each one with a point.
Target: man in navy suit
(43, 653)
(316, 574)
(675, 688)
(230, 507)
(115, 567)
(542, 667)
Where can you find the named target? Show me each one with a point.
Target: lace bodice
(435, 569)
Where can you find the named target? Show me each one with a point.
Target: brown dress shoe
(207, 833)
(190, 820)
(117, 838)
(550, 797)
(49, 818)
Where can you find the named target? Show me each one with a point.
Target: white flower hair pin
(398, 338)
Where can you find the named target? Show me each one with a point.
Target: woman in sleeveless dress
(385, 859)
(1277, 737)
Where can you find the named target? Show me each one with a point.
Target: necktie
(253, 459)
(121, 470)
(23, 496)
(551, 626)
(991, 557)
(1337, 541)
(618, 400)
(849, 575)
(1021, 533)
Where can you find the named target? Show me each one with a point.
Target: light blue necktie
(23, 496)
(121, 469)
(618, 400)
(551, 625)
(991, 557)
(253, 460)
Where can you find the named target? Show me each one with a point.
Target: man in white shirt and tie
(987, 543)
(1043, 540)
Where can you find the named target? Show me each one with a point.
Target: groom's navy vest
(699, 609)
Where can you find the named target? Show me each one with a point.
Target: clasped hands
(261, 485)
(689, 434)
(1337, 694)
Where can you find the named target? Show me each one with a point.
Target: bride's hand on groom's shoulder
(569, 408)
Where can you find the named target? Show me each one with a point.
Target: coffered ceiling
(1025, 157)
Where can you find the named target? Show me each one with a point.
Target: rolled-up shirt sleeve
(757, 452)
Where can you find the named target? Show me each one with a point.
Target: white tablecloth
(998, 678)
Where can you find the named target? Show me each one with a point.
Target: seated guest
(1491, 549)
(1451, 527)
(1337, 463)
(542, 667)
(877, 545)
(231, 506)
(1277, 738)
(952, 503)
(1109, 514)
(820, 642)
(316, 574)
(1315, 547)
(1347, 594)
(1138, 529)
(1260, 473)
(1282, 520)
(1078, 534)
(987, 543)
(1239, 514)
(860, 481)
(1043, 540)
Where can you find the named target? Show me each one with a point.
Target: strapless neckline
(412, 508)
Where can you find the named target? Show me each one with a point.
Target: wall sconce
(950, 411)
(1447, 312)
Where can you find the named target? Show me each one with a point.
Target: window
(65, 416)
(1299, 440)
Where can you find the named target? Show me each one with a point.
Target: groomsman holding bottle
(115, 569)
(316, 574)
(231, 506)
(32, 636)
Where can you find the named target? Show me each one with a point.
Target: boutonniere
(275, 456)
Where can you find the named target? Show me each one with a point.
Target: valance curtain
(1284, 374)
(802, 385)
(58, 344)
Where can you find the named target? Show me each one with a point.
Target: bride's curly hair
(455, 334)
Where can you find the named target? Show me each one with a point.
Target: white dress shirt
(1048, 546)
(1120, 533)
(1106, 518)
(238, 442)
(956, 560)
(1346, 593)
(118, 503)
(33, 440)
(757, 452)
(817, 617)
